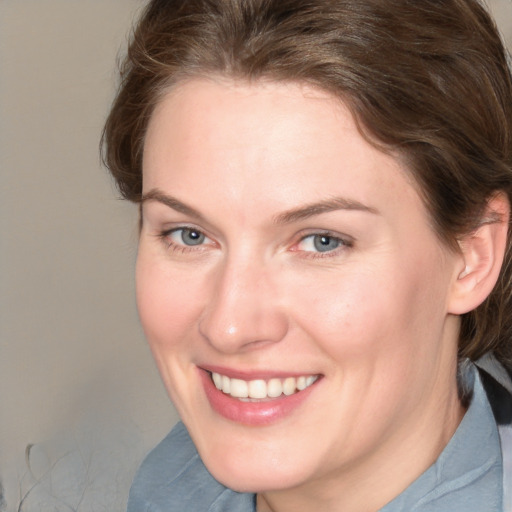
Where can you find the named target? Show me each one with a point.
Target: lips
(256, 401)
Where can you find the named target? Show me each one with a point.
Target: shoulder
(173, 478)
(497, 382)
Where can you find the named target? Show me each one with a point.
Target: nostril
(247, 332)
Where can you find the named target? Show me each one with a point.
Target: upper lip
(254, 374)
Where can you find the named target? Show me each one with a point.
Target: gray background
(77, 382)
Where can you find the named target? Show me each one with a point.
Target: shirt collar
(468, 473)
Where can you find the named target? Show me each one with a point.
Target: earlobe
(482, 253)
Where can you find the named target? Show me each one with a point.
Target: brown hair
(426, 79)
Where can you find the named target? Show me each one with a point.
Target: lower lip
(252, 413)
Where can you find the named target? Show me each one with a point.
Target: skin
(373, 317)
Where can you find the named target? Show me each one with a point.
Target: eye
(186, 236)
(321, 243)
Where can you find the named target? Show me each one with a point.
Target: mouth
(260, 389)
(257, 401)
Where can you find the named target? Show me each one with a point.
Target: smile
(257, 401)
(261, 389)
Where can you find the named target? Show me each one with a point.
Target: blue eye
(187, 236)
(324, 243)
(320, 243)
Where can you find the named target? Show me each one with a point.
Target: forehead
(266, 144)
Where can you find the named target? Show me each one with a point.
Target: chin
(250, 481)
(256, 470)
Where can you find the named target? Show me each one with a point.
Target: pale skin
(241, 181)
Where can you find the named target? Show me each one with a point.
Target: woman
(324, 188)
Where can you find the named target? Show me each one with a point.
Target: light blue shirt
(467, 476)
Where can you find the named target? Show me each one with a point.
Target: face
(291, 264)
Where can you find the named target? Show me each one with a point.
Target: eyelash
(344, 242)
(175, 247)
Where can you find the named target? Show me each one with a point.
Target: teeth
(226, 384)
(289, 386)
(239, 388)
(301, 383)
(217, 380)
(274, 388)
(257, 389)
(260, 389)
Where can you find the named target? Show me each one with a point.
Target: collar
(468, 475)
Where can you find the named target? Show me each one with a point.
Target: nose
(243, 312)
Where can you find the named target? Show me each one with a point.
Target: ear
(482, 252)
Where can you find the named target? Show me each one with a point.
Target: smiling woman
(324, 222)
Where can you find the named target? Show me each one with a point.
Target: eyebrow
(287, 217)
(171, 202)
(329, 205)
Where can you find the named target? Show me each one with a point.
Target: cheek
(166, 301)
(168, 305)
(345, 312)
(385, 313)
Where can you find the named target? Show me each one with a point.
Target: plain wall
(76, 378)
